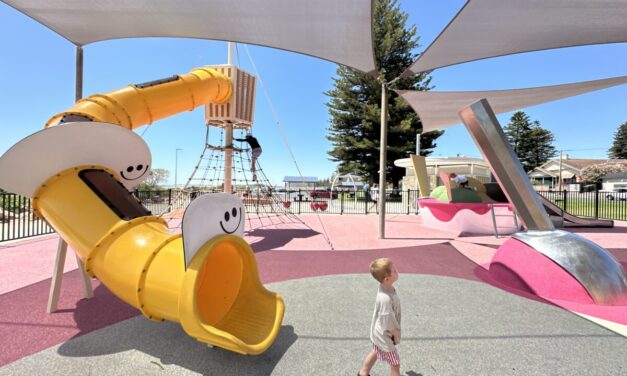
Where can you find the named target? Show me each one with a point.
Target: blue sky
(37, 81)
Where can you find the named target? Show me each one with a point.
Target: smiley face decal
(208, 216)
(134, 172)
(231, 218)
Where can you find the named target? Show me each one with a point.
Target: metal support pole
(595, 268)
(78, 90)
(596, 202)
(230, 46)
(484, 128)
(383, 159)
(228, 139)
(57, 273)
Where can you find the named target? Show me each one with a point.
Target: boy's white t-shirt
(386, 317)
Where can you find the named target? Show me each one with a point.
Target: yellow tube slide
(136, 105)
(218, 299)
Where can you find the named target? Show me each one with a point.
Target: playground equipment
(586, 263)
(226, 166)
(461, 209)
(78, 176)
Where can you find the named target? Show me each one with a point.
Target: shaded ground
(454, 323)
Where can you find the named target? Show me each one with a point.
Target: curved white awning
(439, 110)
(338, 31)
(489, 28)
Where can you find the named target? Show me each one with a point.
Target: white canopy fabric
(439, 110)
(489, 28)
(338, 31)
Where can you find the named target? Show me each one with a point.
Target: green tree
(355, 102)
(532, 144)
(619, 147)
(541, 148)
(156, 177)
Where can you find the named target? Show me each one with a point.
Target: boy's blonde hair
(381, 268)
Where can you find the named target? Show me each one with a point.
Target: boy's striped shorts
(391, 357)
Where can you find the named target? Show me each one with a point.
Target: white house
(547, 175)
(614, 182)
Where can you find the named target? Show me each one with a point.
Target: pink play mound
(519, 266)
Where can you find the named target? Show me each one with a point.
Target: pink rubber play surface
(283, 252)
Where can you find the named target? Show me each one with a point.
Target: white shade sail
(338, 31)
(489, 28)
(439, 110)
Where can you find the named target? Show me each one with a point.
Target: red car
(323, 193)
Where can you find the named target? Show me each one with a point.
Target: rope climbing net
(264, 206)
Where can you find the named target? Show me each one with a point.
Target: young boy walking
(385, 330)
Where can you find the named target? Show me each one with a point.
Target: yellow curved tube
(136, 105)
(218, 299)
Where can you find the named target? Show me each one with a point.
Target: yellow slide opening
(223, 301)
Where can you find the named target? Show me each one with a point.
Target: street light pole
(176, 166)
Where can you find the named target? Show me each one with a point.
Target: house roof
(581, 163)
(299, 179)
(616, 175)
(578, 164)
(539, 171)
(543, 172)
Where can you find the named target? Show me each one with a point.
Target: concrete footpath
(451, 326)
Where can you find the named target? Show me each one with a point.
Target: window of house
(113, 194)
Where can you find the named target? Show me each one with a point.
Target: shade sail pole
(383, 158)
(57, 274)
(78, 91)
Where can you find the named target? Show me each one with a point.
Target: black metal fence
(595, 204)
(18, 221)
(292, 201)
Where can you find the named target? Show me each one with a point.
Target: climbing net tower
(226, 166)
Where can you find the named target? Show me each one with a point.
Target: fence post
(596, 201)
(565, 202)
(408, 202)
(342, 202)
(300, 198)
(170, 196)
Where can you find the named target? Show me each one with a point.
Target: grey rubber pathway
(450, 327)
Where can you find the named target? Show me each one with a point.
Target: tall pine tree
(355, 104)
(541, 148)
(619, 146)
(532, 144)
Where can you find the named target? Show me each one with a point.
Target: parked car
(619, 194)
(323, 193)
